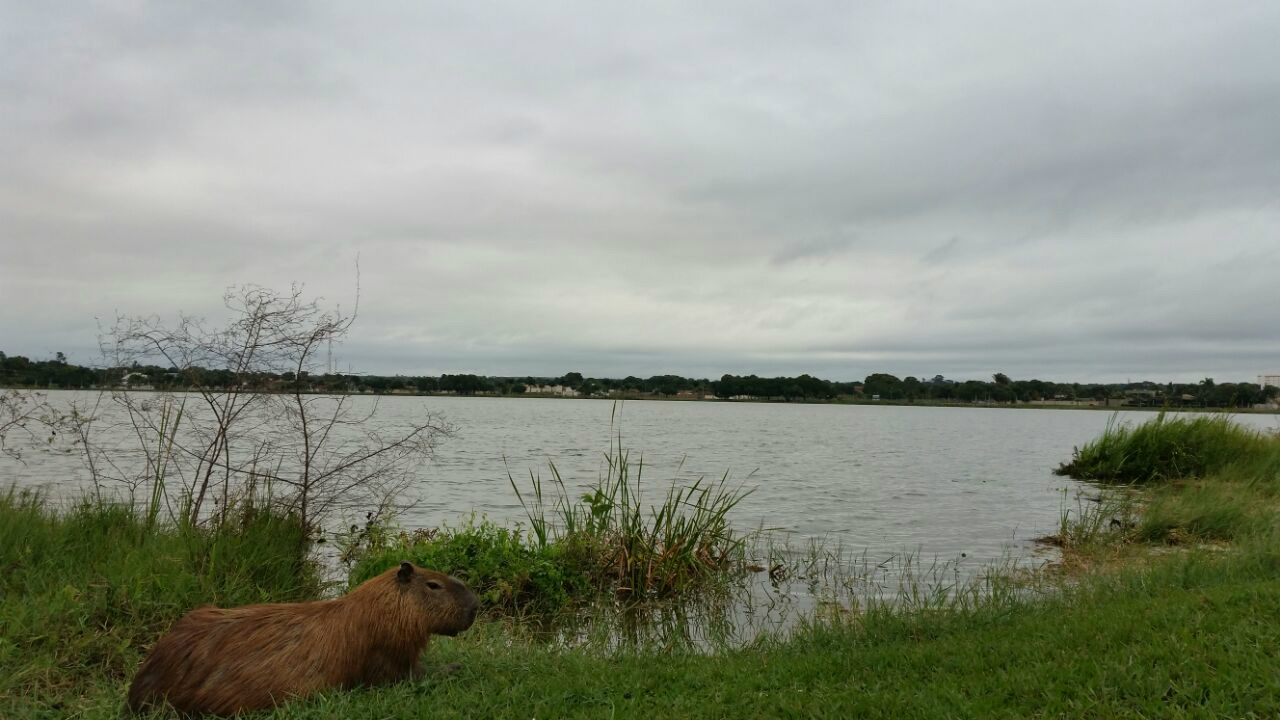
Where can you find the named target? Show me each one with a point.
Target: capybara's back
(223, 661)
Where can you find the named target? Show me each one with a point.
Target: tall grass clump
(605, 539)
(84, 591)
(1207, 479)
(1164, 449)
(639, 549)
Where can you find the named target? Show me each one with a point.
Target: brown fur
(224, 661)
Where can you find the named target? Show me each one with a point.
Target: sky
(1069, 191)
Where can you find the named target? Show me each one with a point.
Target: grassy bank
(1190, 630)
(83, 593)
(1201, 480)
(1193, 637)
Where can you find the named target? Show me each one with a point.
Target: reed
(639, 549)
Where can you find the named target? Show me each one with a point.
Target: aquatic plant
(644, 550)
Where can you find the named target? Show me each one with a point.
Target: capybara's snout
(474, 607)
(468, 608)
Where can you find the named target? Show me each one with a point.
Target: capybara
(223, 661)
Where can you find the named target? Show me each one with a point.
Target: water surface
(966, 484)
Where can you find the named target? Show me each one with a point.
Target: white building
(559, 390)
(1269, 380)
(136, 381)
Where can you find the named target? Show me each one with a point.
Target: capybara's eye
(434, 585)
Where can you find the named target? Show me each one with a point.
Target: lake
(971, 485)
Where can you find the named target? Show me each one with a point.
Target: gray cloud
(1084, 191)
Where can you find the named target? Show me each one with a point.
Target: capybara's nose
(475, 608)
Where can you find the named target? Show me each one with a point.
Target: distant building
(559, 390)
(1269, 380)
(136, 381)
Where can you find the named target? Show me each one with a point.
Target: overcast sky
(1059, 190)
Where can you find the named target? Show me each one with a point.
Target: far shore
(1109, 406)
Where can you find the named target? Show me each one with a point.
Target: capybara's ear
(406, 570)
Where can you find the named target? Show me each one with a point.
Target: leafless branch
(257, 419)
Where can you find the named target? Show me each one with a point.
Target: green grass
(1196, 635)
(84, 593)
(1207, 478)
(1166, 448)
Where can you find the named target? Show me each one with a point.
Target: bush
(510, 574)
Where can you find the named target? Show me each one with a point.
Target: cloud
(1031, 188)
(818, 248)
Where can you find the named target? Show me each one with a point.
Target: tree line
(57, 373)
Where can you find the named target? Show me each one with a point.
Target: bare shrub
(240, 412)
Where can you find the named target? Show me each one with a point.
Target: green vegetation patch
(84, 593)
(1192, 636)
(510, 574)
(605, 540)
(1167, 448)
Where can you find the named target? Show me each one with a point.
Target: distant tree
(1002, 393)
(465, 384)
(887, 386)
(1000, 379)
